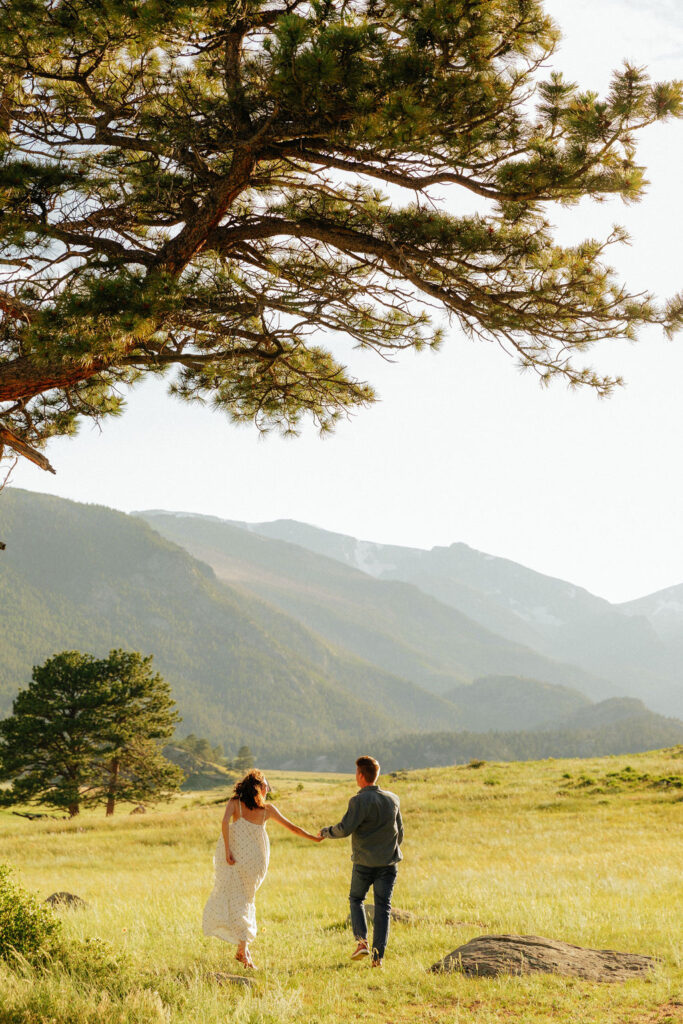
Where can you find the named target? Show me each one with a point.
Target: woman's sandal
(245, 960)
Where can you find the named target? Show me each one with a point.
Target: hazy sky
(462, 447)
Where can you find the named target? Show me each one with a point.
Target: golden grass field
(553, 848)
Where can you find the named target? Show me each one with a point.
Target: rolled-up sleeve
(348, 824)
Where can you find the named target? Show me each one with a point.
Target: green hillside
(510, 702)
(331, 661)
(85, 577)
(392, 624)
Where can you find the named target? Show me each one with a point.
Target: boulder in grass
(489, 955)
(402, 916)
(140, 809)
(66, 899)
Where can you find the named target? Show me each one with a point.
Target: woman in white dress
(241, 861)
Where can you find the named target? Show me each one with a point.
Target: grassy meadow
(585, 851)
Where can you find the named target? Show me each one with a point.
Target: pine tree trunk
(113, 779)
(73, 810)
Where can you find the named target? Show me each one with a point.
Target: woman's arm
(225, 829)
(273, 813)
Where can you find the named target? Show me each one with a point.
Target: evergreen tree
(190, 743)
(244, 761)
(48, 745)
(138, 711)
(201, 187)
(204, 750)
(84, 732)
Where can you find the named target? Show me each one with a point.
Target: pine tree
(244, 761)
(138, 711)
(48, 745)
(84, 732)
(202, 188)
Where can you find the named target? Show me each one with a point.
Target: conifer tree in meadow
(86, 731)
(216, 190)
(137, 713)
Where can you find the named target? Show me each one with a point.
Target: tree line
(204, 749)
(428, 750)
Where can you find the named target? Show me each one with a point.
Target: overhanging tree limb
(10, 440)
(199, 191)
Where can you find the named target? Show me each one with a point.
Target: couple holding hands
(372, 819)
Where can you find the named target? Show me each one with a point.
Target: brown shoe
(361, 950)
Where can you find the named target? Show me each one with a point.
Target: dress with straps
(230, 911)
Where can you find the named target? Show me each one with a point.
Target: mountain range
(535, 625)
(293, 640)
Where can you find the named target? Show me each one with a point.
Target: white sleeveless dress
(230, 911)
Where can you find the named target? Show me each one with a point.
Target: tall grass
(500, 848)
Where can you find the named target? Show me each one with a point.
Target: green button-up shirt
(373, 820)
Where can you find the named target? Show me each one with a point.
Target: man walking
(373, 820)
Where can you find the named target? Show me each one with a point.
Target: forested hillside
(299, 656)
(638, 645)
(613, 729)
(392, 624)
(85, 577)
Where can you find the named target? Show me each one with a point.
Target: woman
(241, 862)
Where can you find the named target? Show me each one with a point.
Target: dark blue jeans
(382, 880)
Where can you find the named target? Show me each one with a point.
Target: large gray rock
(489, 955)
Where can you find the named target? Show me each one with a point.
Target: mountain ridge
(245, 664)
(93, 578)
(558, 620)
(390, 623)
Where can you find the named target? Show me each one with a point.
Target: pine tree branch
(10, 440)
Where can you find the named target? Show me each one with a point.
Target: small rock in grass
(402, 916)
(66, 899)
(140, 809)
(455, 923)
(223, 978)
(489, 955)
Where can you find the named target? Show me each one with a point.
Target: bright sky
(462, 447)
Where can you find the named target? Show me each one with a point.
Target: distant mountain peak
(638, 645)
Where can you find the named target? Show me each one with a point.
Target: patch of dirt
(667, 1013)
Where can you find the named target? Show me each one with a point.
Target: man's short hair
(369, 768)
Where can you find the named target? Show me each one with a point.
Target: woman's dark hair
(249, 790)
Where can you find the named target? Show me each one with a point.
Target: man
(373, 820)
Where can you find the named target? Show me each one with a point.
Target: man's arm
(399, 826)
(348, 824)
